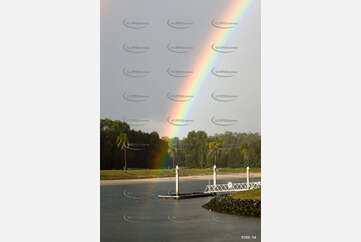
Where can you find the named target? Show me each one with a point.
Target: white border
(49, 102)
(310, 120)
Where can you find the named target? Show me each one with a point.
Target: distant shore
(159, 173)
(185, 178)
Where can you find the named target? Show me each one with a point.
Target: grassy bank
(154, 173)
(251, 194)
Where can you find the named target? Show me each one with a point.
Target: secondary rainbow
(201, 69)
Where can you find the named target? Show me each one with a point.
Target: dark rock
(227, 204)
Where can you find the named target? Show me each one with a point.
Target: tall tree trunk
(215, 159)
(125, 158)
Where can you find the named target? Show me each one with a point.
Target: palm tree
(244, 151)
(122, 143)
(213, 148)
(172, 150)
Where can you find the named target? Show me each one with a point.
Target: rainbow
(202, 68)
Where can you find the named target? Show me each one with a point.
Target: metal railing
(232, 187)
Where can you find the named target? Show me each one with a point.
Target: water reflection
(133, 212)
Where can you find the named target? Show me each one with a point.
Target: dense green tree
(235, 158)
(196, 150)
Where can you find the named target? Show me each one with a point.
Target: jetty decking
(186, 195)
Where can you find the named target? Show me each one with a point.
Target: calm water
(132, 212)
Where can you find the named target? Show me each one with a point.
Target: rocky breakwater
(227, 204)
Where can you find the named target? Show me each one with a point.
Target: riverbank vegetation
(154, 173)
(196, 150)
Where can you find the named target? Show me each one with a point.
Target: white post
(176, 181)
(214, 175)
(247, 178)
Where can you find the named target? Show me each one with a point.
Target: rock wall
(227, 204)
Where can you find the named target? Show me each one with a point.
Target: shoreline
(168, 179)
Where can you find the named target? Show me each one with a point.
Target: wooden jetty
(186, 195)
(178, 195)
(212, 190)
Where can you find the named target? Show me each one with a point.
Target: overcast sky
(142, 73)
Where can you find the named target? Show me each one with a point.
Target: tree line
(122, 147)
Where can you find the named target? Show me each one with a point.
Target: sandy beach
(167, 179)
